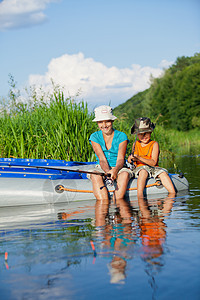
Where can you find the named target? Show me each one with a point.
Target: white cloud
(97, 83)
(165, 64)
(22, 13)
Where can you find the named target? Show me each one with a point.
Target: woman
(109, 146)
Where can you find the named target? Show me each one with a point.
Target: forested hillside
(172, 100)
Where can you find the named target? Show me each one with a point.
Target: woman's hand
(113, 173)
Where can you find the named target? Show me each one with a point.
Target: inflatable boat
(43, 181)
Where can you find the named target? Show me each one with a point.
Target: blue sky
(105, 49)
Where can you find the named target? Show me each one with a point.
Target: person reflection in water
(153, 235)
(118, 234)
(153, 227)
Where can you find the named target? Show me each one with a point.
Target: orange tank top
(144, 152)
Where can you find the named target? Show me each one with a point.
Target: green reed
(184, 142)
(56, 129)
(171, 142)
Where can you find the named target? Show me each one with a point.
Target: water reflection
(137, 243)
(117, 234)
(129, 238)
(153, 227)
(132, 229)
(153, 235)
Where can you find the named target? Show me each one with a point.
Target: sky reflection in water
(149, 249)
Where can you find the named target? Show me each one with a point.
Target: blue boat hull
(38, 181)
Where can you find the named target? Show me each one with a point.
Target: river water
(147, 250)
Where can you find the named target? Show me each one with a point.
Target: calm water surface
(146, 250)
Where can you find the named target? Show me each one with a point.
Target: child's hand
(134, 158)
(130, 157)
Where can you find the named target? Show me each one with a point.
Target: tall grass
(185, 142)
(159, 135)
(54, 127)
(171, 142)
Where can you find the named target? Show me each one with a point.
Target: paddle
(59, 169)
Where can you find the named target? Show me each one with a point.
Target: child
(145, 155)
(110, 149)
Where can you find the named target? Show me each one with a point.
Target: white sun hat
(103, 113)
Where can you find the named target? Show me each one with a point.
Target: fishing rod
(133, 150)
(65, 170)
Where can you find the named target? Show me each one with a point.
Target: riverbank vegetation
(55, 129)
(172, 100)
(60, 128)
(53, 126)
